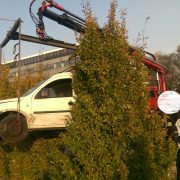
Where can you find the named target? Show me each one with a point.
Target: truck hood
(9, 100)
(10, 104)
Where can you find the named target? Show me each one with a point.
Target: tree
(112, 134)
(6, 89)
(28, 80)
(172, 69)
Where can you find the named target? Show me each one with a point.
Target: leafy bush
(112, 133)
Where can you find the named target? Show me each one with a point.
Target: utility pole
(17, 58)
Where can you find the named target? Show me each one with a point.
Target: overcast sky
(162, 28)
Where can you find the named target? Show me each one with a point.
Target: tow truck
(39, 103)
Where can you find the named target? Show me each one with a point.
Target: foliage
(37, 158)
(6, 89)
(29, 80)
(9, 88)
(172, 66)
(112, 133)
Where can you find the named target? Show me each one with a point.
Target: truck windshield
(33, 88)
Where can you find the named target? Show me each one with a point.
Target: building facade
(53, 62)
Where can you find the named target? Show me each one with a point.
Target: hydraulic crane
(67, 18)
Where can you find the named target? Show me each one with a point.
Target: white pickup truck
(45, 106)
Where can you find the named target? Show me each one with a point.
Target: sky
(162, 28)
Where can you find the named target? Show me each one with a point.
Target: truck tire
(14, 130)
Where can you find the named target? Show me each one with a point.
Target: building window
(55, 66)
(12, 65)
(62, 65)
(44, 57)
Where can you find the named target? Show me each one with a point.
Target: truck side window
(58, 88)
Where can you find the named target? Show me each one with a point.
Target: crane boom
(14, 35)
(67, 18)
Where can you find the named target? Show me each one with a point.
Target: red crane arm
(50, 3)
(67, 19)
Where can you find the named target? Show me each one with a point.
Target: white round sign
(169, 102)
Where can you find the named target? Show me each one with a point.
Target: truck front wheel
(14, 128)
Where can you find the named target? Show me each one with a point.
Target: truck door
(51, 105)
